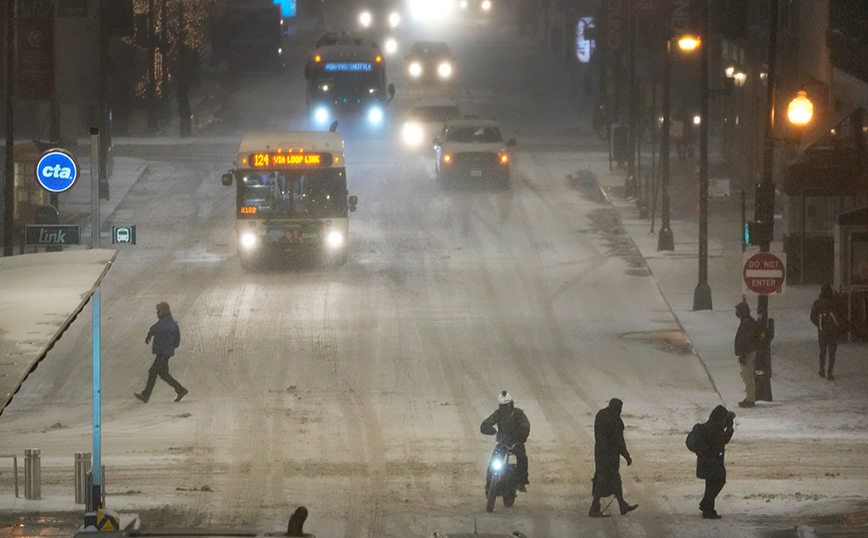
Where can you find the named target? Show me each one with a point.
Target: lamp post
(665, 238)
(702, 293)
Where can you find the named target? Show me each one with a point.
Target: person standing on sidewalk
(746, 343)
(167, 337)
(708, 440)
(609, 446)
(824, 316)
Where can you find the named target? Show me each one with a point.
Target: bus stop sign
(56, 170)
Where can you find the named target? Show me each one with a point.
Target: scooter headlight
(496, 464)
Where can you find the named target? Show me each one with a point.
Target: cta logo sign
(56, 170)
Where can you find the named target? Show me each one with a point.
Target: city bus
(346, 80)
(291, 197)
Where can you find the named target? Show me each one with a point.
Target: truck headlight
(444, 70)
(415, 69)
(321, 114)
(412, 134)
(334, 239)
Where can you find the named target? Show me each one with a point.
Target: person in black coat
(167, 337)
(609, 446)
(825, 316)
(714, 434)
(747, 339)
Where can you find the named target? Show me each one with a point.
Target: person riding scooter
(513, 429)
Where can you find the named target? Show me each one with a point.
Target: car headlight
(391, 46)
(249, 240)
(375, 115)
(486, 5)
(497, 464)
(321, 115)
(412, 134)
(334, 239)
(394, 19)
(444, 70)
(365, 19)
(415, 69)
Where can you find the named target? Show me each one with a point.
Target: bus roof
(347, 53)
(261, 142)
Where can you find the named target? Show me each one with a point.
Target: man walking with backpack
(824, 317)
(708, 441)
(166, 336)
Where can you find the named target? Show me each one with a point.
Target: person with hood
(167, 337)
(823, 315)
(747, 339)
(710, 446)
(609, 446)
(513, 429)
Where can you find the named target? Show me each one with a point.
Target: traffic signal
(759, 233)
(764, 205)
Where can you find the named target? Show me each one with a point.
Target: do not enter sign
(763, 273)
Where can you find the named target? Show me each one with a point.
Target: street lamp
(800, 110)
(665, 238)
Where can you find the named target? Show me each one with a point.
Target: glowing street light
(800, 110)
(688, 43)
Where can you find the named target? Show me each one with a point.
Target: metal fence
(14, 469)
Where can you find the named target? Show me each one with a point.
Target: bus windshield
(293, 193)
(352, 82)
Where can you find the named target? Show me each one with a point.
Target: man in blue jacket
(166, 336)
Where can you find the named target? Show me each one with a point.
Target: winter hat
(742, 310)
(616, 405)
(718, 414)
(504, 398)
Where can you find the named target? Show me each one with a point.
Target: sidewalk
(794, 349)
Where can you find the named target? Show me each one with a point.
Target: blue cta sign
(56, 170)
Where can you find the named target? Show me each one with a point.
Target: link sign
(56, 170)
(763, 273)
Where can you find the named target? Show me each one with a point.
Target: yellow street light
(688, 43)
(739, 78)
(800, 110)
(730, 71)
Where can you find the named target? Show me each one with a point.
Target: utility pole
(764, 211)
(702, 293)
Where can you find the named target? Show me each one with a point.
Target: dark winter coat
(609, 443)
(711, 445)
(512, 426)
(166, 335)
(747, 336)
(825, 315)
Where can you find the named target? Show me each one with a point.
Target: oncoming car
(472, 150)
(430, 60)
(425, 121)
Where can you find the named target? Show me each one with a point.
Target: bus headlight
(412, 134)
(444, 70)
(375, 115)
(321, 115)
(248, 240)
(334, 239)
(415, 69)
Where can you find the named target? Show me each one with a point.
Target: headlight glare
(375, 115)
(321, 115)
(335, 239)
(444, 70)
(497, 464)
(415, 69)
(248, 240)
(412, 134)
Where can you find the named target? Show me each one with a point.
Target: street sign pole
(90, 518)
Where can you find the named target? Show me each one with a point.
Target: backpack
(694, 438)
(828, 323)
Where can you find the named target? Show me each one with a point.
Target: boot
(626, 507)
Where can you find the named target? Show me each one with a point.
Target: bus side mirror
(227, 179)
(391, 91)
(353, 201)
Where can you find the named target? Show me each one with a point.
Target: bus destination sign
(348, 66)
(278, 160)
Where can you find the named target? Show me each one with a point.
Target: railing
(14, 469)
